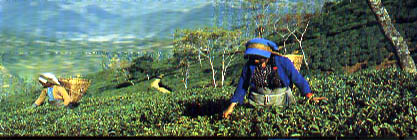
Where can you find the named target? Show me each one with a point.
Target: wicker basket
(76, 87)
(297, 60)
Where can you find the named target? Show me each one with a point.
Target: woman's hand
(310, 96)
(317, 99)
(229, 110)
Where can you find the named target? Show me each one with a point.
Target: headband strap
(262, 47)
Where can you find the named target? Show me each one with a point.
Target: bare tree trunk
(213, 72)
(230, 58)
(300, 40)
(223, 67)
(199, 57)
(211, 59)
(400, 45)
(185, 78)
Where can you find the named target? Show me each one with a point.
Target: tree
(295, 24)
(300, 39)
(262, 15)
(185, 69)
(207, 43)
(400, 45)
(230, 43)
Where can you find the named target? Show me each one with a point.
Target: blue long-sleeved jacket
(286, 72)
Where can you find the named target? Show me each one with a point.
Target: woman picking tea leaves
(269, 77)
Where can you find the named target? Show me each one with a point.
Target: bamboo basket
(76, 87)
(297, 60)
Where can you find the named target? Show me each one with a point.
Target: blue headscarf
(260, 47)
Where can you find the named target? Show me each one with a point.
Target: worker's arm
(296, 77)
(242, 86)
(240, 91)
(229, 110)
(299, 81)
(41, 98)
(67, 99)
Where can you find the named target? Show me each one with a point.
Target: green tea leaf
(295, 135)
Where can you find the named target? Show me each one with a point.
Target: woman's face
(256, 60)
(47, 84)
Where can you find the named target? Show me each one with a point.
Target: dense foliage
(369, 103)
(121, 103)
(347, 33)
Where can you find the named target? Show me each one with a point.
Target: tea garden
(367, 103)
(120, 102)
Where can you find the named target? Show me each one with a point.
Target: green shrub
(368, 103)
(350, 25)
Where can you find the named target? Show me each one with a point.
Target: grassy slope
(370, 102)
(359, 102)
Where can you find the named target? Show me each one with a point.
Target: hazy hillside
(144, 18)
(73, 19)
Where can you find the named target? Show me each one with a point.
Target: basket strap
(50, 94)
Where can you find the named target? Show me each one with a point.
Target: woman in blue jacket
(268, 77)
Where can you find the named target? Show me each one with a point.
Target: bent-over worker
(56, 94)
(269, 77)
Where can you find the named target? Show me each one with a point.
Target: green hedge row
(347, 33)
(368, 103)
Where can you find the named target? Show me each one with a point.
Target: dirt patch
(356, 67)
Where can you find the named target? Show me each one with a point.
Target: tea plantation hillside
(120, 102)
(347, 37)
(367, 103)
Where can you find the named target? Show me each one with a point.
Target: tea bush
(347, 33)
(368, 103)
